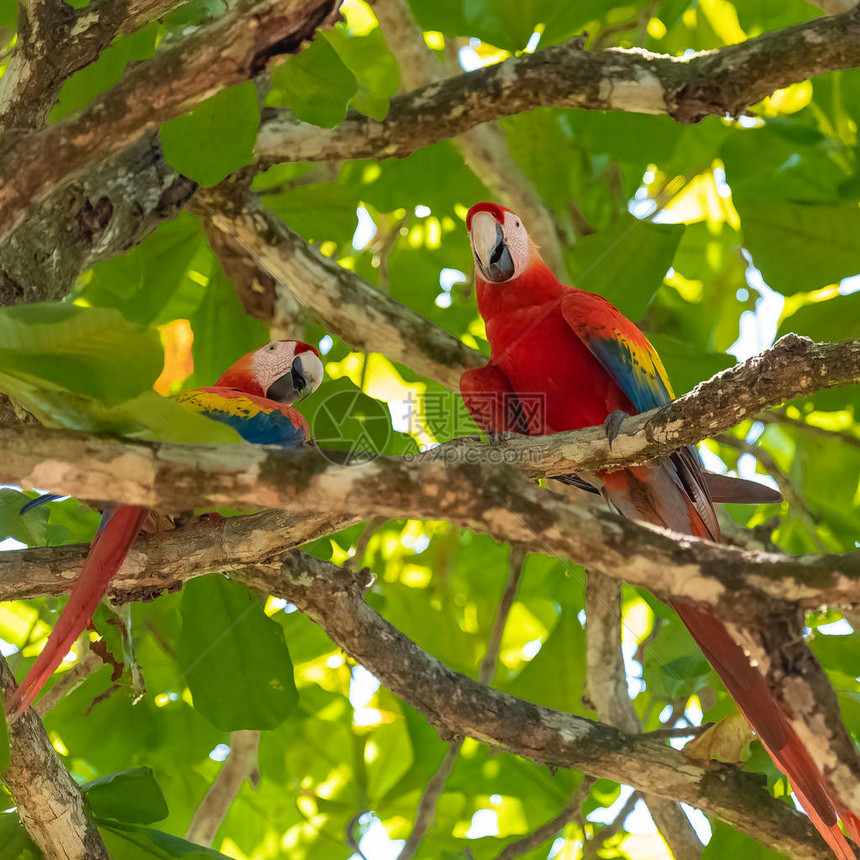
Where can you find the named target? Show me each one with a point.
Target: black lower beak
(500, 267)
(289, 387)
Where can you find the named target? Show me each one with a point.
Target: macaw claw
(612, 424)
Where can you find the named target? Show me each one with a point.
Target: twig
(372, 526)
(68, 681)
(592, 846)
(240, 764)
(779, 416)
(546, 831)
(796, 502)
(607, 690)
(680, 732)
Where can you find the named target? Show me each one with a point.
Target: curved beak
(289, 387)
(492, 255)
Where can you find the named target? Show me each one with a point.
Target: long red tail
(672, 494)
(748, 687)
(119, 527)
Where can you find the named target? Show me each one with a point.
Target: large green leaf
(15, 843)
(315, 85)
(801, 246)
(835, 319)
(216, 137)
(151, 284)
(130, 795)
(127, 842)
(626, 263)
(223, 332)
(234, 658)
(78, 351)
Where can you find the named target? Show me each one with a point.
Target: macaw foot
(612, 424)
(497, 439)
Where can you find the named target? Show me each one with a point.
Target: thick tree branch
(484, 497)
(165, 560)
(710, 83)
(234, 48)
(458, 705)
(55, 41)
(47, 799)
(793, 367)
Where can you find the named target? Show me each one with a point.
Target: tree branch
(47, 799)
(350, 307)
(710, 83)
(240, 764)
(433, 791)
(485, 497)
(607, 691)
(55, 41)
(457, 705)
(236, 47)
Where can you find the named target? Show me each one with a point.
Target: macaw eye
(271, 347)
(517, 224)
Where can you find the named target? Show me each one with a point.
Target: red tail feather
(119, 528)
(648, 494)
(748, 687)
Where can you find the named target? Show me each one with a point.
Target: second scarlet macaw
(252, 397)
(563, 358)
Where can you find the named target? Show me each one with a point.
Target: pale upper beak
(492, 255)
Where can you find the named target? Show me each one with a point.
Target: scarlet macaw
(251, 397)
(586, 363)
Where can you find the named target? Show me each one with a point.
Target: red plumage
(584, 359)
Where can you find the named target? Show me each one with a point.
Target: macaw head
(284, 371)
(500, 244)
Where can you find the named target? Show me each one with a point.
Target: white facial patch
(517, 240)
(272, 361)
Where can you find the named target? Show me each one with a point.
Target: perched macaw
(252, 397)
(563, 358)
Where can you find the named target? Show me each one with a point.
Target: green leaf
(130, 795)
(388, 755)
(626, 263)
(686, 365)
(726, 842)
(801, 246)
(15, 843)
(319, 211)
(234, 657)
(90, 352)
(315, 85)
(143, 284)
(216, 137)
(374, 66)
(83, 86)
(143, 843)
(223, 332)
(834, 319)
(31, 528)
